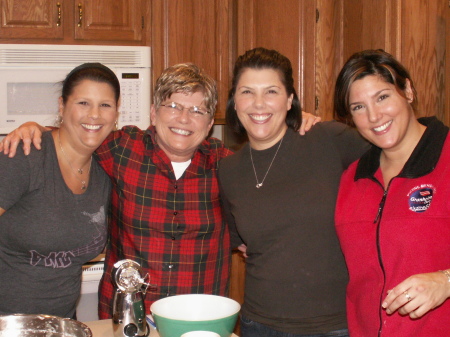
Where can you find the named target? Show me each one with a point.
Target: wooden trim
(329, 58)
(245, 25)
(446, 109)
(393, 28)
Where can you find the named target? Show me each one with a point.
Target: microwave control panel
(135, 99)
(130, 106)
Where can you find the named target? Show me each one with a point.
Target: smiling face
(382, 115)
(180, 134)
(89, 114)
(261, 103)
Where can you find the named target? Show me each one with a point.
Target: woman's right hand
(27, 132)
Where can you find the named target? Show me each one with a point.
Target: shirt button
(175, 186)
(175, 213)
(173, 237)
(170, 266)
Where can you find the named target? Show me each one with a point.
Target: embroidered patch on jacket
(419, 198)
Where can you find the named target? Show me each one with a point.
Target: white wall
(217, 132)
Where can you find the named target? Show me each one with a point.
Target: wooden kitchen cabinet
(416, 33)
(318, 36)
(423, 49)
(287, 26)
(212, 33)
(290, 27)
(31, 19)
(197, 31)
(118, 20)
(75, 21)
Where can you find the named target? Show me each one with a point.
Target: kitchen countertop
(103, 328)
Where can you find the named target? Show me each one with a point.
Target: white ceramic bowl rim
(195, 307)
(200, 333)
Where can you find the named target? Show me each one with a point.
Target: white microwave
(31, 75)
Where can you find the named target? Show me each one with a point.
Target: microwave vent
(73, 55)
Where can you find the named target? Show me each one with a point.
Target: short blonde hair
(186, 78)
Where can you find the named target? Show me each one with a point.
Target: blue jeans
(251, 328)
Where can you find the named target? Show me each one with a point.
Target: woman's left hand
(243, 249)
(418, 294)
(308, 120)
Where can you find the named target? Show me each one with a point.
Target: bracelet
(446, 273)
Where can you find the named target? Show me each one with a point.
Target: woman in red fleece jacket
(393, 208)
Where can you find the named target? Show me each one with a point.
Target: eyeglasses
(194, 111)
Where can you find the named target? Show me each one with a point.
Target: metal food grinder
(128, 308)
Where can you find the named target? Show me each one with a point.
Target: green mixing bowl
(179, 314)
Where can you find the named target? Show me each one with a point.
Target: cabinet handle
(80, 14)
(58, 6)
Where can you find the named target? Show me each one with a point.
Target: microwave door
(29, 95)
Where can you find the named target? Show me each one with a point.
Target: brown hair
(365, 63)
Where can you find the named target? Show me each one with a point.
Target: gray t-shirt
(47, 232)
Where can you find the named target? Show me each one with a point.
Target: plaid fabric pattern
(173, 228)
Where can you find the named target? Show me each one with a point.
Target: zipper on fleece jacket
(377, 220)
(380, 208)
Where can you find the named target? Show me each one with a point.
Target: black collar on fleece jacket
(422, 161)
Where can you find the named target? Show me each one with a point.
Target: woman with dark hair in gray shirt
(54, 202)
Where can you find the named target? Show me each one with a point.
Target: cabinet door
(423, 52)
(118, 20)
(414, 31)
(287, 26)
(196, 31)
(31, 19)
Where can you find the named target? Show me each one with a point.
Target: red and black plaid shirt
(173, 228)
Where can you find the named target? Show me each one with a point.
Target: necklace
(80, 170)
(259, 184)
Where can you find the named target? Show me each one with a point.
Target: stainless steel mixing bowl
(19, 325)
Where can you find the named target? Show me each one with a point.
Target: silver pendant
(258, 185)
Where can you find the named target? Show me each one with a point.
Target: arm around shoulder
(29, 132)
